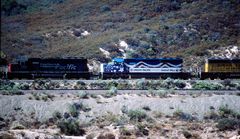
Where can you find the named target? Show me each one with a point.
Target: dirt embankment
(143, 115)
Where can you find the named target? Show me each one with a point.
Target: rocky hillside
(101, 30)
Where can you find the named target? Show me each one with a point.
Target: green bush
(183, 116)
(124, 85)
(83, 95)
(98, 85)
(24, 86)
(161, 93)
(81, 107)
(124, 109)
(141, 84)
(125, 131)
(137, 115)
(106, 136)
(112, 84)
(211, 115)
(228, 124)
(80, 85)
(73, 110)
(142, 130)
(44, 98)
(179, 84)
(122, 120)
(57, 115)
(207, 86)
(226, 112)
(94, 96)
(112, 92)
(70, 127)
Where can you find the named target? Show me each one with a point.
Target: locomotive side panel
(221, 68)
(59, 65)
(162, 65)
(222, 65)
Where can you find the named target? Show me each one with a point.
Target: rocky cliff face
(92, 29)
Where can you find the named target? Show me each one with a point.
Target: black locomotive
(49, 68)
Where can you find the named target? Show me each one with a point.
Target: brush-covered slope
(102, 29)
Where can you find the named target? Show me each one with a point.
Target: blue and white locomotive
(144, 68)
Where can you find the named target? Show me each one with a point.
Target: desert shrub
(141, 84)
(183, 116)
(82, 107)
(187, 134)
(112, 92)
(142, 130)
(73, 110)
(50, 96)
(155, 84)
(105, 8)
(24, 86)
(57, 115)
(36, 96)
(211, 115)
(157, 114)
(106, 136)
(91, 136)
(179, 84)
(94, 96)
(137, 115)
(106, 119)
(16, 125)
(98, 85)
(238, 86)
(228, 124)
(71, 127)
(168, 83)
(161, 93)
(12, 92)
(125, 131)
(226, 112)
(44, 98)
(83, 95)
(146, 108)
(207, 86)
(80, 85)
(111, 117)
(122, 120)
(138, 18)
(112, 84)
(124, 85)
(124, 109)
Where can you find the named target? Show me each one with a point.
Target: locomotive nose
(9, 69)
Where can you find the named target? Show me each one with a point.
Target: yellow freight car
(221, 68)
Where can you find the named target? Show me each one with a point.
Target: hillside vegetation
(191, 29)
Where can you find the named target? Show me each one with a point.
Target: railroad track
(174, 92)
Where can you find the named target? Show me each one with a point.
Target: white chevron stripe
(160, 65)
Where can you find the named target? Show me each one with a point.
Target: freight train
(160, 68)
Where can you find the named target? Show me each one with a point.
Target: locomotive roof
(80, 58)
(138, 59)
(217, 60)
